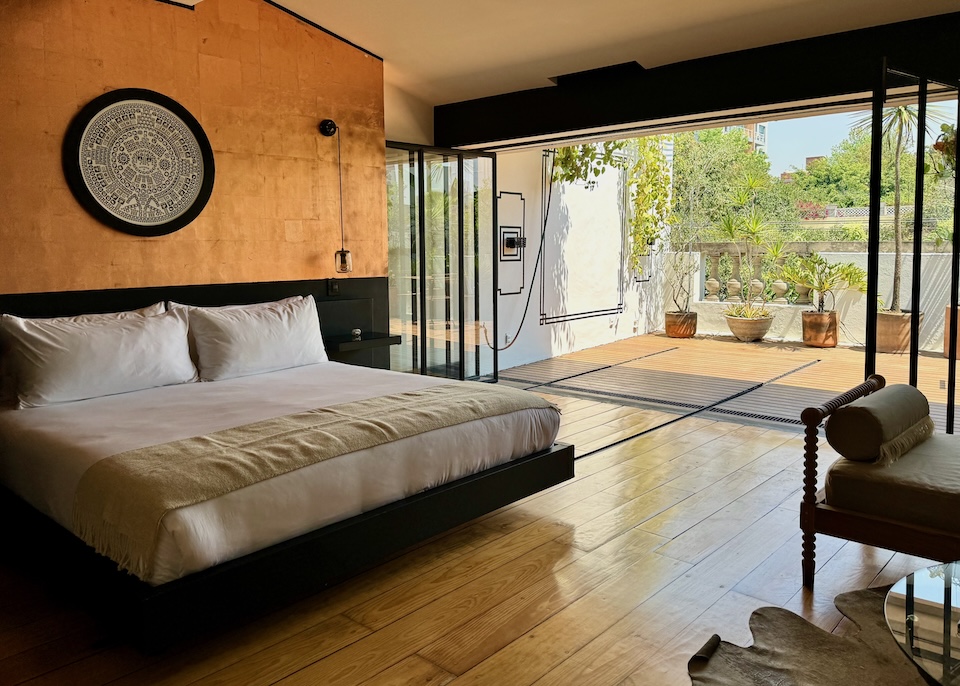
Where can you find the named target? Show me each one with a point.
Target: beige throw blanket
(122, 499)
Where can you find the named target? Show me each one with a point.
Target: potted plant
(748, 321)
(681, 322)
(746, 227)
(898, 125)
(821, 326)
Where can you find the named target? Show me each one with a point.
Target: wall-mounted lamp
(343, 260)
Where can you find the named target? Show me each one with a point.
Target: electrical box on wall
(510, 212)
(511, 244)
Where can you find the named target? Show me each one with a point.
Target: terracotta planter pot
(680, 324)
(893, 331)
(749, 329)
(947, 318)
(821, 329)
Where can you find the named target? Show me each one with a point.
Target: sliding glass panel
(441, 251)
(897, 211)
(478, 203)
(403, 221)
(939, 206)
(916, 223)
(441, 214)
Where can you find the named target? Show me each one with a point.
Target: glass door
(912, 255)
(441, 259)
(403, 239)
(440, 210)
(478, 267)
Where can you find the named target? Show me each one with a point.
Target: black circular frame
(71, 161)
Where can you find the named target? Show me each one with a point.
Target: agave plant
(747, 310)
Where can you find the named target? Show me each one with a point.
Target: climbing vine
(584, 163)
(647, 177)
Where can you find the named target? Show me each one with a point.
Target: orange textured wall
(258, 80)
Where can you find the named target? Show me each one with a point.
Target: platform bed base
(155, 617)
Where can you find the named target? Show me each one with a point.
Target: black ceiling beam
(826, 66)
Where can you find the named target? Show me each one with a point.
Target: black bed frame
(153, 617)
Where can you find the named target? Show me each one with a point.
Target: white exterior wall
(852, 306)
(581, 259)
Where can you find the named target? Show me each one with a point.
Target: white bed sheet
(44, 451)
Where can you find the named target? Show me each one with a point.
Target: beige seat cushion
(921, 488)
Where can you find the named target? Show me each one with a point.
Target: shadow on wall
(648, 284)
(650, 295)
(558, 227)
(935, 285)
(852, 330)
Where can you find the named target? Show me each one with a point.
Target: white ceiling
(443, 51)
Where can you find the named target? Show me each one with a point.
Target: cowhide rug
(789, 651)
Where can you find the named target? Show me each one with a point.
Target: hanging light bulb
(343, 262)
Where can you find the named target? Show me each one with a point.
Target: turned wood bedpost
(812, 417)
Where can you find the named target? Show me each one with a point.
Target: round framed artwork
(139, 162)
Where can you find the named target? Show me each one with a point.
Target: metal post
(414, 231)
(495, 248)
(954, 281)
(947, 618)
(910, 617)
(422, 230)
(461, 282)
(873, 230)
(475, 244)
(918, 234)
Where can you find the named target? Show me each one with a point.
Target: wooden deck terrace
(639, 383)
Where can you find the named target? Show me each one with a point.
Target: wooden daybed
(155, 615)
(900, 532)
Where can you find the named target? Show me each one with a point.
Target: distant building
(756, 135)
(786, 177)
(811, 160)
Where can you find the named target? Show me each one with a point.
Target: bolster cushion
(882, 426)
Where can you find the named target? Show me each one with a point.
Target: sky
(791, 141)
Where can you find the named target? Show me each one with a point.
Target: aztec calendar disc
(139, 162)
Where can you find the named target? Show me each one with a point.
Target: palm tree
(898, 126)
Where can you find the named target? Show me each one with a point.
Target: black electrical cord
(536, 264)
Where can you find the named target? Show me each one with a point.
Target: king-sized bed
(230, 489)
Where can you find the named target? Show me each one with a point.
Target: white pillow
(253, 339)
(8, 390)
(172, 305)
(59, 360)
(148, 311)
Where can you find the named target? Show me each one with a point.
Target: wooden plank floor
(615, 577)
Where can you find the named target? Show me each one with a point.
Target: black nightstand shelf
(368, 339)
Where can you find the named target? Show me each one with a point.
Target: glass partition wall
(912, 264)
(440, 218)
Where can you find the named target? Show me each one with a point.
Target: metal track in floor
(715, 407)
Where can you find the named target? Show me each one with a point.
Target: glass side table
(923, 614)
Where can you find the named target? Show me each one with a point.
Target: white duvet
(44, 451)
